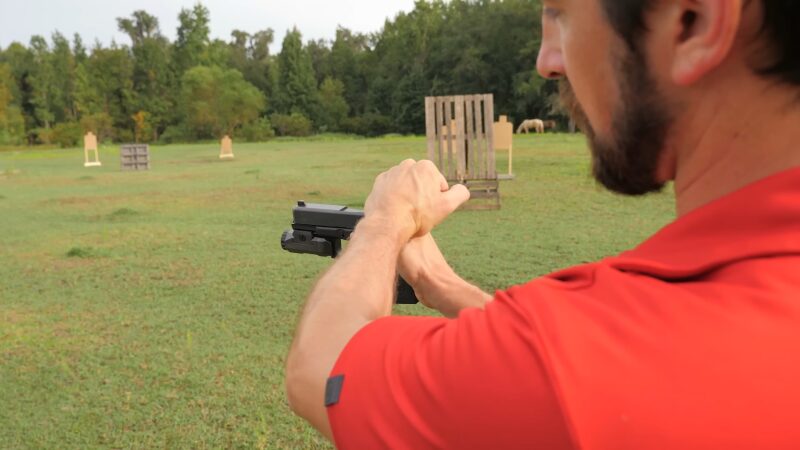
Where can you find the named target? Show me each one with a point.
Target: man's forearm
(449, 293)
(358, 289)
(436, 284)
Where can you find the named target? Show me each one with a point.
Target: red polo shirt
(692, 340)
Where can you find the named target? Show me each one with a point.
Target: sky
(96, 19)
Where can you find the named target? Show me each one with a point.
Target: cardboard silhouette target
(226, 148)
(504, 140)
(90, 145)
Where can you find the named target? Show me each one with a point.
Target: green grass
(155, 309)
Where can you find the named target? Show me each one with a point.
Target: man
(689, 341)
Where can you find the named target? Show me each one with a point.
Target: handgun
(320, 229)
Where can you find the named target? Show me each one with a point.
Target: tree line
(153, 90)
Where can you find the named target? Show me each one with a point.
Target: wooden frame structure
(461, 143)
(135, 157)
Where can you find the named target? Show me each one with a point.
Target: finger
(455, 197)
(434, 172)
(444, 186)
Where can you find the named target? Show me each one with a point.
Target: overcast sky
(96, 19)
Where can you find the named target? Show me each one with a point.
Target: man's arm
(407, 201)
(358, 289)
(435, 283)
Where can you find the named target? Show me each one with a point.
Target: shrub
(40, 135)
(124, 135)
(174, 134)
(66, 134)
(100, 124)
(295, 124)
(257, 131)
(369, 124)
(12, 127)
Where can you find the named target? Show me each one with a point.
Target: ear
(705, 31)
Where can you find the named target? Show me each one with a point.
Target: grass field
(155, 309)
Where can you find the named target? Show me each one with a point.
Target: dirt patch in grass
(85, 253)
(123, 213)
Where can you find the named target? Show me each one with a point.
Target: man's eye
(551, 12)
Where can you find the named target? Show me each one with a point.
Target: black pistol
(319, 230)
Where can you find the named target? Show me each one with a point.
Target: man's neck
(741, 135)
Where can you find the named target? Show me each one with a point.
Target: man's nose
(550, 62)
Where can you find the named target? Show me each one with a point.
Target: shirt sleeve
(479, 381)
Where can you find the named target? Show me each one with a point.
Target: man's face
(608, 90)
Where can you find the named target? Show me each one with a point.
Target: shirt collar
(760, 220)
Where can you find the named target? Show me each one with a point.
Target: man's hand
(435, 283)
(414, 197)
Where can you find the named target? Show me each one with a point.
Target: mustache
(569, 103)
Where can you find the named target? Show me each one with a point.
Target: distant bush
(257, 131)
(66, 134)
(295, 124)
(12, 127)
(369, 124)
(174, 134)
(124, 135)
(101, 124)
(40, 135)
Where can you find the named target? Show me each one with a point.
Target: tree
(42, 80)
(249, 54)
(12, 124)
(63, 81)
(105, 85)
(217, 101)
(153, 85)
(333, 106)
(140, 27)
(20, 63)
(193, 39)
(78, 49)
(297, 89)
(320, 54)
(346, 62)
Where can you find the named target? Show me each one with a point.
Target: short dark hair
(781, 28)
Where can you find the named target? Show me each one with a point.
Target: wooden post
(488, 119)
(474, 156)
(430, 128)
(451, 172)
(481, 147)
(462, 151)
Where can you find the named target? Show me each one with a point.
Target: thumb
(455, 197)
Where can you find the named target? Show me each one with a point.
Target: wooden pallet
(460, 136)
(484, 195)
(135, 157)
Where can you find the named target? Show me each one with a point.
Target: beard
(627, 160)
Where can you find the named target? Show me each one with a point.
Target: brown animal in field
(537, 125)
(550, 124)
